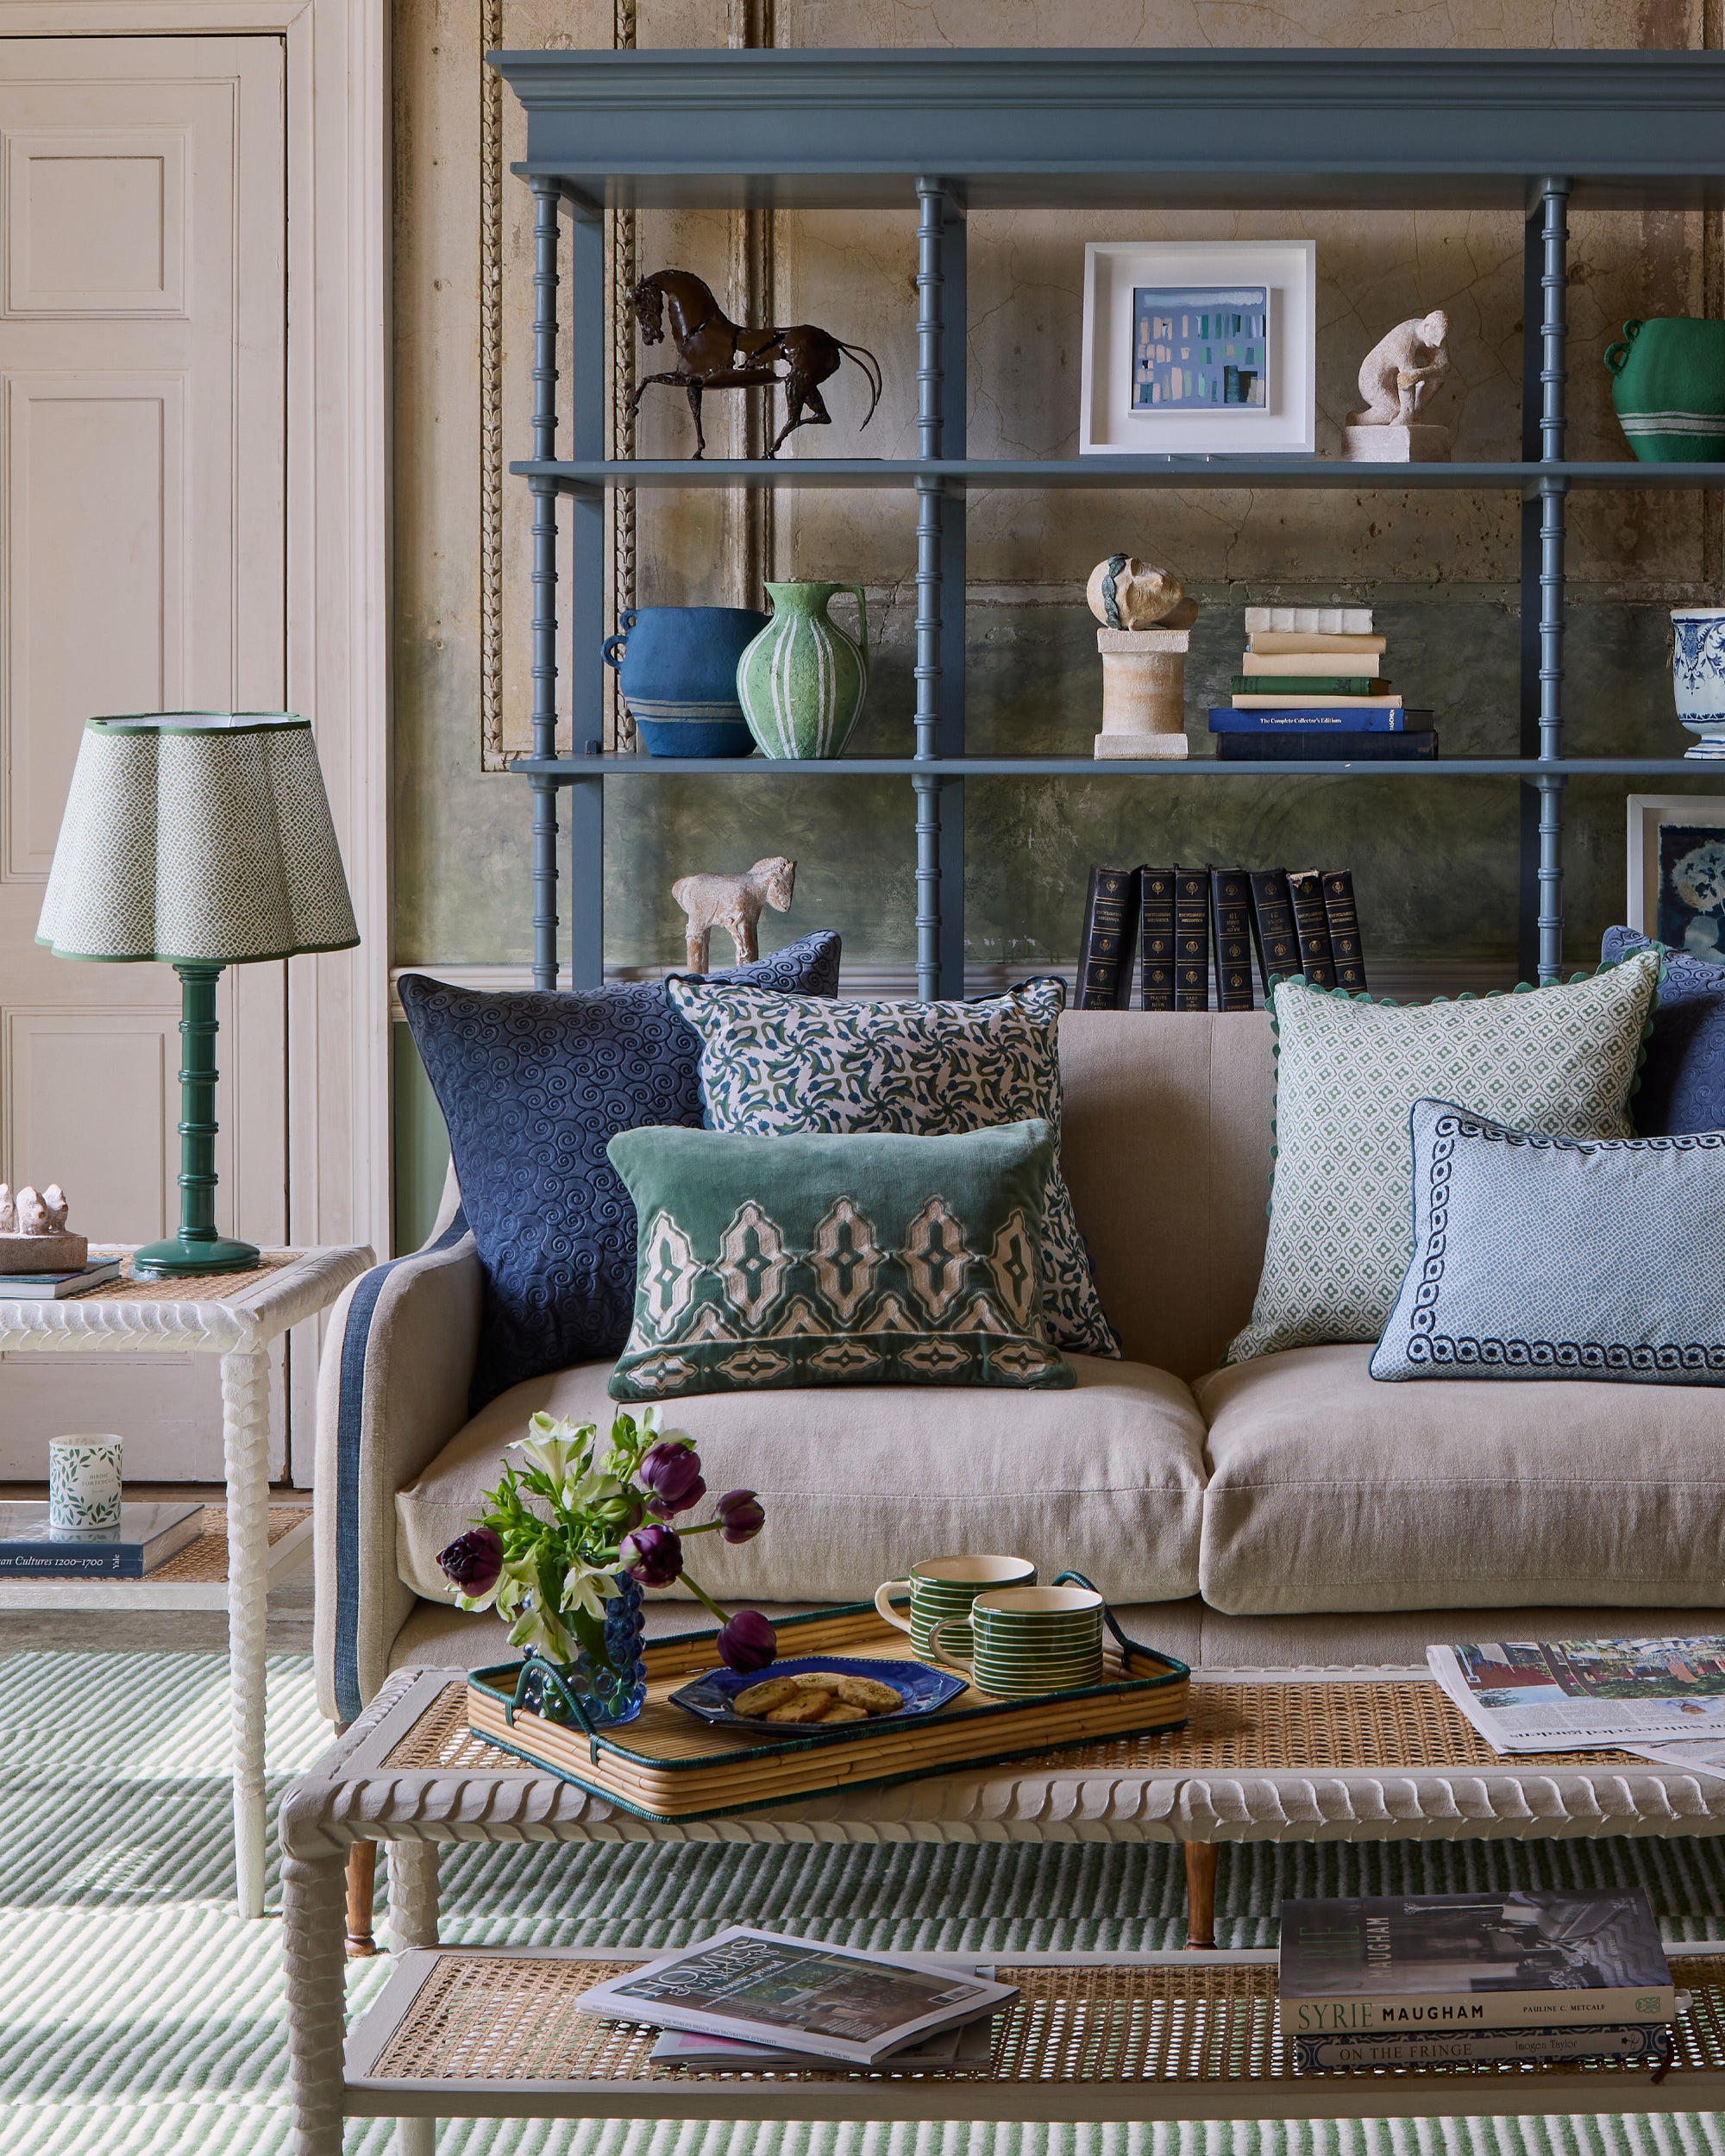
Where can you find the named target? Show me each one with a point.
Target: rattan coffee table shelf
(499, 2032)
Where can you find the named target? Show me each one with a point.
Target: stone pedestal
(1144, 692)
(1395, 445)
(43, 1253)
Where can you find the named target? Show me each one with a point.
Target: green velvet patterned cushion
(852, 1260)
(774, 1063)
(1560, 1061)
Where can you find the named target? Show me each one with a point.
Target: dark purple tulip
(747, 1643)
(473, 1560)
(742, 1514)
(669, 1473)
(652, 1555)
(665, 1508)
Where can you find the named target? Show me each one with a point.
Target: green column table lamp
(196, 840)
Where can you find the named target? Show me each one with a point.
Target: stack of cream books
(1312, 684)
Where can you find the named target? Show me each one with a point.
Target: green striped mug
(1026, 1640)
(942, 1588)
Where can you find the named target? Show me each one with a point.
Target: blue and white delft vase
(609, 1687)
(1698, 676)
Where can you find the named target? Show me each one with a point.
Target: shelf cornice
(834, 126)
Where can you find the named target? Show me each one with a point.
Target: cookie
(760, 1699)
(868, 1692)
(809, 1705)
(843, 1710)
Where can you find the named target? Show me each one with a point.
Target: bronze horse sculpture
(715, 352)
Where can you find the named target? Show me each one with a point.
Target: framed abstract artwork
(1677, 871)
(1198, 349)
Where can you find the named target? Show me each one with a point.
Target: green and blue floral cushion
(773, 1064)
(858, 1259)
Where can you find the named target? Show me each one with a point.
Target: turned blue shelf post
(589, 377)
(939, 669)
(1544, 374)
(544, 578)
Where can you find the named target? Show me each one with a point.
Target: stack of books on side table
(1465, 1979)
(1312, 688)
(747, 1999)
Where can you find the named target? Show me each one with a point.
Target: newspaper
(1585, 1695)
(801, 1995)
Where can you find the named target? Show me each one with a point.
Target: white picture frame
(1285, 424)
(1649, 815)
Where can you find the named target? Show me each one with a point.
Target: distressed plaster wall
(1434, 859)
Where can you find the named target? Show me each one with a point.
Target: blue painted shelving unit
(945, 132)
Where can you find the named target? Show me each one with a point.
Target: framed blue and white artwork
(1194, 347)
(1200, 348)
(1677, 871)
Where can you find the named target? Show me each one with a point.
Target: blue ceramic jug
(677, 669)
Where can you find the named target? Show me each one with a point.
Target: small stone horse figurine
(715, 352)
(732, 903)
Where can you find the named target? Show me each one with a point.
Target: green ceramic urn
(802, 680)
(1668, 385)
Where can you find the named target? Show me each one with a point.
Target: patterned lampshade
(197, 837)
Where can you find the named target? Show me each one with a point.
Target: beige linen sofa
(1287, 1509)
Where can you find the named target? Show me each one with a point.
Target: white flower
(594, 1488)
(586, 1588)
(560, 1449)
(538, 1628)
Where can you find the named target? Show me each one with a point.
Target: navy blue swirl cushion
(533, 1086)
(1683, 1081)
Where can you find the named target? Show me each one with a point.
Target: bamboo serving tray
(665, 1766)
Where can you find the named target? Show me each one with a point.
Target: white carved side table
(235, 1315)
(1289, 1755)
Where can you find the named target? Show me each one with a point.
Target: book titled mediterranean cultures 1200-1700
(1401, 1963)
(799, 1995)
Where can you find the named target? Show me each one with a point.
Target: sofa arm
(391, 1392)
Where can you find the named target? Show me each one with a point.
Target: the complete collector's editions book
(1429, 1963)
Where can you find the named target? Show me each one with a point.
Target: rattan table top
(497, 2018)
(205, 1561)
(190, 1286)
(1233, 1727)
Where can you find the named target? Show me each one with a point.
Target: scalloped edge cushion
(1541, 1258)
(1683, 1080)
(1561, 1060)
(849, 1258)
(885, 1065)
(533, 1084)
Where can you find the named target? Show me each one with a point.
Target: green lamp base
(178, 1256)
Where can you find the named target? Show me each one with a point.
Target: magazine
(800, 1994)
(1420, 1963)
(968, 2047)
(1585, 1695)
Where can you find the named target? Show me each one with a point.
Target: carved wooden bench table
(1267, 1755)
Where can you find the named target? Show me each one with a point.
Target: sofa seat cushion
(860, 1482)
(1331, 1492)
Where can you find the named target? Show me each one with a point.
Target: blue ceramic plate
(708, 1697)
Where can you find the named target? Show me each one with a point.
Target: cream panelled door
(143, 334)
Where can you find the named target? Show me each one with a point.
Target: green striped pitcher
(802, 681)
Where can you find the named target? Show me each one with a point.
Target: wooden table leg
(245, 1445)
(361, 1884)
(413, 1906)
(1200, 1892)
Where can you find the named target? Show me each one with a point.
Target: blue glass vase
(607, 1680)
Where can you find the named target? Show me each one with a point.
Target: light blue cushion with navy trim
(1560, 1258)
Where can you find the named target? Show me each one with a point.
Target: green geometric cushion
(854, 1260)
(774, 1064)
(1560, 1061)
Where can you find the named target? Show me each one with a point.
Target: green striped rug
(138, 2013)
